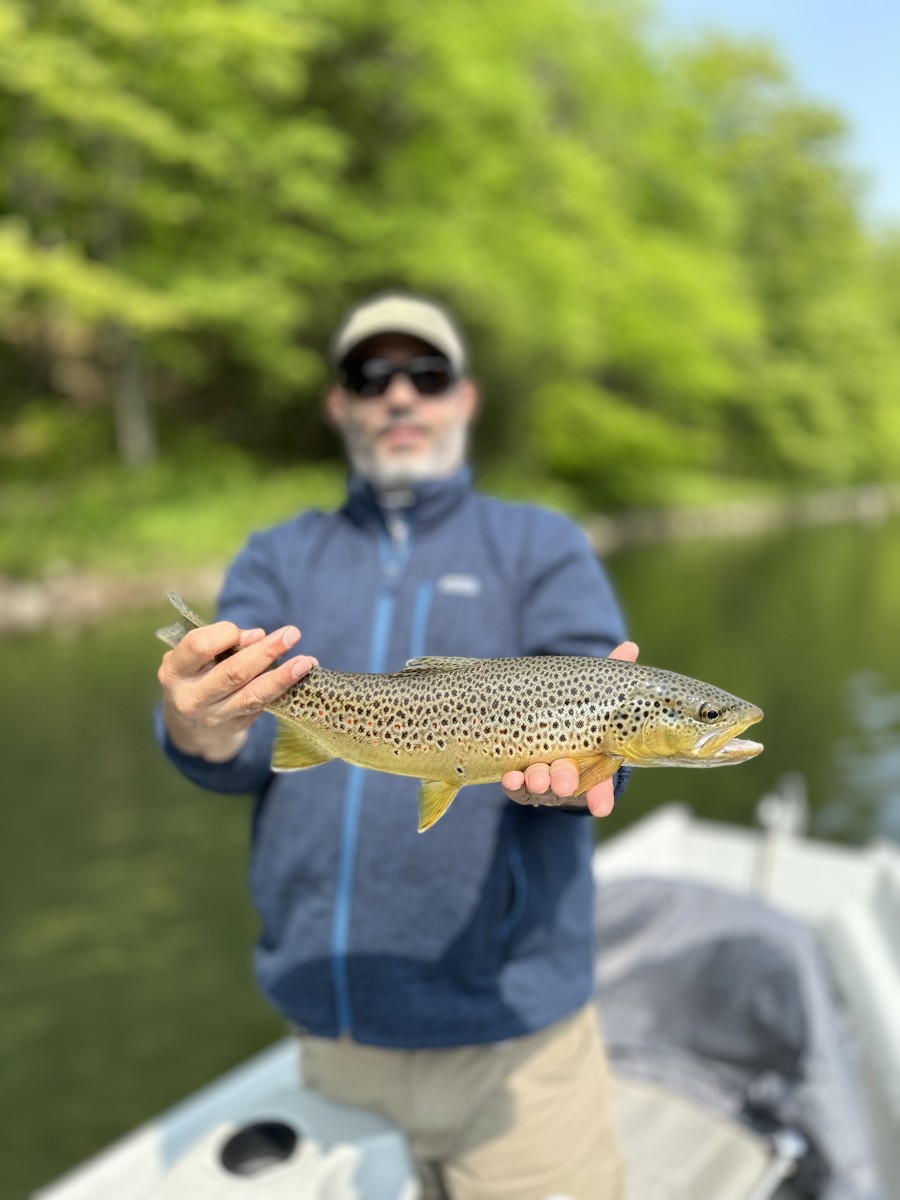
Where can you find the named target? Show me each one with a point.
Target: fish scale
(457, 721)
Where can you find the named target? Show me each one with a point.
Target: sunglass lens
(371, 377)
(430, 375)
(432, 381)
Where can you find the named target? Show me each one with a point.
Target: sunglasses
(430, 375)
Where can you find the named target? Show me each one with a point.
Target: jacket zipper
(394, 550)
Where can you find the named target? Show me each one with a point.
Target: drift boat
(749, 988)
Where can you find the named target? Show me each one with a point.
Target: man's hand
(208, 706)
(551, 783)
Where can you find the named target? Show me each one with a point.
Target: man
(443, 978)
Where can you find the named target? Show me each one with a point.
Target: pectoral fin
(435, 797)
(596, 769)
(294, 749)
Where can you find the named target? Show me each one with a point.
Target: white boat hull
(850, 897)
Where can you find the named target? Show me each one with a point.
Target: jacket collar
(425, 504)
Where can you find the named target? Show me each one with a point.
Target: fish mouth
(735, 750)
(716, 747)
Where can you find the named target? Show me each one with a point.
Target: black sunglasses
(430, 375)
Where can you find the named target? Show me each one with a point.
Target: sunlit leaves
(665, 234)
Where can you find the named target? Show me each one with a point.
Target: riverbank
(742, 518)
(70, 598)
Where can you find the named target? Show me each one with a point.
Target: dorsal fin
(437, 662)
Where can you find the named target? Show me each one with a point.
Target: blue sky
(845, 53)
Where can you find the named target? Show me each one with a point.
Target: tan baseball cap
(400, 312)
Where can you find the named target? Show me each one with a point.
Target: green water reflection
(124, 971)
(124, 955)
(803, 623)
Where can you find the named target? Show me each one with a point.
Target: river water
(124, 951)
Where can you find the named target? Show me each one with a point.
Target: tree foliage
(657, 250)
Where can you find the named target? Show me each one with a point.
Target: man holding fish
(442, 979)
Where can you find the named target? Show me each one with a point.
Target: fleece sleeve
(567, 602)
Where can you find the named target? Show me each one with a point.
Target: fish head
(676, 721)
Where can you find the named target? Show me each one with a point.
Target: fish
(451, 722)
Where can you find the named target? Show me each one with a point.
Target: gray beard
(443, 460)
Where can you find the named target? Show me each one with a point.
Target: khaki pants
(528, 1119)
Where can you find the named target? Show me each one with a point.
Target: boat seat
(675, 1149)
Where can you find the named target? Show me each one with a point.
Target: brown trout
(456, 721)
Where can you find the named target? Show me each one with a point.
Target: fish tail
(172, 634)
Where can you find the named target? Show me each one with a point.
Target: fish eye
(709, 712)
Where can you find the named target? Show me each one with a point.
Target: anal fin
(596, 769)
(435, 797)
(294, 749)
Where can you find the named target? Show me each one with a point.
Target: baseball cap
(399, 312)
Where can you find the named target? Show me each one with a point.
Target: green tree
(538, 167)
(657, 250)
(817, 398)
(165, 200)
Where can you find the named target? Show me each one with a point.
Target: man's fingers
(236, 671)
(198, 648)
(513, 781)
(537, 779)
(563, 777)
(628, 651)
(540, 779)
(239, 686)
(600, 798)
(254, 696)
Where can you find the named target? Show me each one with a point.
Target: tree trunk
(135, 426)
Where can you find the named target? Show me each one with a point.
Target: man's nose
(401, 392)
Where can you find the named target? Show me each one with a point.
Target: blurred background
(672, 234)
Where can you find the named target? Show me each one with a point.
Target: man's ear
(334, 406)
(470, 396)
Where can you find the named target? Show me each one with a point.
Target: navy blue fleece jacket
(481, 928)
